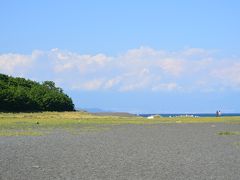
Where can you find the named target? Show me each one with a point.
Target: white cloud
(112, 82)
(228, 74)
(143, 68)
(10, 63)
(166, 87)
(68, 61)
(89, 85)
(171, 66)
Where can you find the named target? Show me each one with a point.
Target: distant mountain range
(101, 112)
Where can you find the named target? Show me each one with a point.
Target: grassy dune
(21, 124)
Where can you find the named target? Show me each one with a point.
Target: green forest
(22, 95)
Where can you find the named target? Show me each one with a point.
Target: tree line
(22, 95)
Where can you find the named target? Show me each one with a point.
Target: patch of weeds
(226, 133)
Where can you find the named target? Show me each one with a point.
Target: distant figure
(218, 113)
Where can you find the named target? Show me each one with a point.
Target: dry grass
(31, 123)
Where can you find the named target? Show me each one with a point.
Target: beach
(150, 151)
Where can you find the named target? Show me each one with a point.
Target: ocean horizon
(189, 114)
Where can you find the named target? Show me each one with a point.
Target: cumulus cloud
(228, 73)
(89, 85)
(171, 66)
(8, 62)
(11, 63)
(112, 82)
(68, 61)
(142, 68)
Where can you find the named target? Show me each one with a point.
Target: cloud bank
(141, 69)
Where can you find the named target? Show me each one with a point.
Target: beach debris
(154, 116)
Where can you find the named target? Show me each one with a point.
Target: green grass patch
(227, 133)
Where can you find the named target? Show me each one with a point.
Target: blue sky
(136, 56)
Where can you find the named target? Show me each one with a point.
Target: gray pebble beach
(141, 152)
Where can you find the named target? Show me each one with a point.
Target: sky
(133, 56)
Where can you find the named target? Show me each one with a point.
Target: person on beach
(218, 113)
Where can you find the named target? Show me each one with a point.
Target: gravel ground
(164, 151)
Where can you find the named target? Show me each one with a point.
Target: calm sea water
(198, 115)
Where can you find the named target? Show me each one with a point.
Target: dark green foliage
(21, 95)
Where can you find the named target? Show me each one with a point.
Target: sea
(191, 114)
